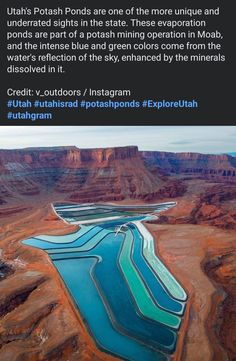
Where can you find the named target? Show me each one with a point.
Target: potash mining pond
(115, 279)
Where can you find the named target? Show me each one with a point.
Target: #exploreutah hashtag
(85, 105)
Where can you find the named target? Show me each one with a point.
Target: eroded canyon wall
(208, 166)
(82, 174)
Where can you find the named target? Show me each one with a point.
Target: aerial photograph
(118, 243)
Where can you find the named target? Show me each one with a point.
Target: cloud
(205, 139)
(180, 142)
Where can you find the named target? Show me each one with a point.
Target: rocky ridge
(109, 174)
(80, 174)
(198, 233)
(207, 166)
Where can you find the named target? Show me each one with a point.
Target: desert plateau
(46, 195)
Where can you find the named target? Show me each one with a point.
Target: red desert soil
(39, 322)
(42, 322)
(188, 251)
(196, 240)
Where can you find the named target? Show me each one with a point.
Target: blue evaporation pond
(158, 290)
(97, 286)
(81, 240)
(76, 273)
(120, 301)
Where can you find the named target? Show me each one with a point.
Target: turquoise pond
(130, 302)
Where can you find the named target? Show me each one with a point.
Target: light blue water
(117, 221)
(89, 267)
(80, 241)
(156, 287)
(121, 303)
(91, 244)
(66, 238)
(77, 275)
(123, 221)
(84, 212)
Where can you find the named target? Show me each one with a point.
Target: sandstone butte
(196, 240)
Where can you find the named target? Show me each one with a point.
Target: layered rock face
(213, 205)
(221, 269)
(81, 174)
(105, 174)
(38, 320)
(218, 167)
(216, 207)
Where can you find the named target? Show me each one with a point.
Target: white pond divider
(171, 284)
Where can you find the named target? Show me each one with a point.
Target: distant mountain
(209, 166)
(85, 175)
(105, 174)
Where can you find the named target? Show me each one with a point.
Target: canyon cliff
(208, 166)
(110, 174)
(195, 239)
(81, 174)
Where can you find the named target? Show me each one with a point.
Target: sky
(202, 139)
